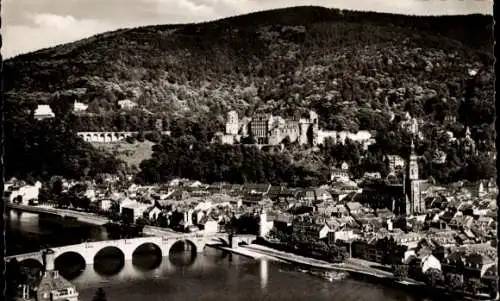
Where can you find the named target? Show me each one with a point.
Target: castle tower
(232, 124)
(303, 128)
(414, 202)
(314, 120)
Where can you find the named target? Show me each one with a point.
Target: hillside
(353, 68)
(277, 60)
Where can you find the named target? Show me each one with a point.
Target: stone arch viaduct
(127, 247)
(108, 137)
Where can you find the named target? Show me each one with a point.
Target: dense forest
(353, 68)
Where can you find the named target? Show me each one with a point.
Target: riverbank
(358, 267)
(351, 265)
(83, 217)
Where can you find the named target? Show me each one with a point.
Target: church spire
(412, 147)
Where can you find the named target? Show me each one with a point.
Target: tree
(100, 295)
(493, 288)
(474, 285)
(433, 277)
(401, 271)
(454, 282)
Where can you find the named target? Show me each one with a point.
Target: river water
(211, 275)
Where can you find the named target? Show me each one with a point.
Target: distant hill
(280, 60)
(353, 68)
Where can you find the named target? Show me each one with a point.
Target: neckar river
(211, 275)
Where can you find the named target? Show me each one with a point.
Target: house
(354, 208)
(476, 265)
(43, 112)
(152, 213)
(430, 262)
(339, 230)
(132, 210)
(410, 239)
(308, 228)
(340, 175)
(79, 107)
(394, 162)
(372, 176)
(275, 192)
(282, 221)
(104, 204)
(370, 225)
(485, 222)
(456, 222)
(178, 195)
(257, 188)
(208, 224)
(338, 195)
(126, 104)
(324, 208)
(314, 196)
(254, 193)
(339, 211)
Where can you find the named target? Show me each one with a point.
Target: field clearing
(130, 153)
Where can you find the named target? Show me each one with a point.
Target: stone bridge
(108, 137)
(127, 247)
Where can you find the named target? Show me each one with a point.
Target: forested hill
(279, 60)
(353, 68)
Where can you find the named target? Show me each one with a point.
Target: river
(211, 275)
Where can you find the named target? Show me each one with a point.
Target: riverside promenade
(352, 265)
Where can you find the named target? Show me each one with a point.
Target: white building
(43, 112)
(430, 262)
(126, 104)
(27, 193)
(137, 208)
(265, 225)
(79, 107)
(105, 204)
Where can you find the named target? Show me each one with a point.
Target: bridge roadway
(84, 217)
(127, 247)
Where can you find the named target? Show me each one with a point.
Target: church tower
(414, 203)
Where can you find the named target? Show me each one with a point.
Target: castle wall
(323, 135)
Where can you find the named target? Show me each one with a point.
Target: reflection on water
(184, 275)
(263, 273)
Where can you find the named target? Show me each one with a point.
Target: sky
(29, 25)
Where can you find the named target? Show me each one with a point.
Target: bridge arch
(31, 263)
(147, 256)
(70, 264)
(113, 256)
(183, 252)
